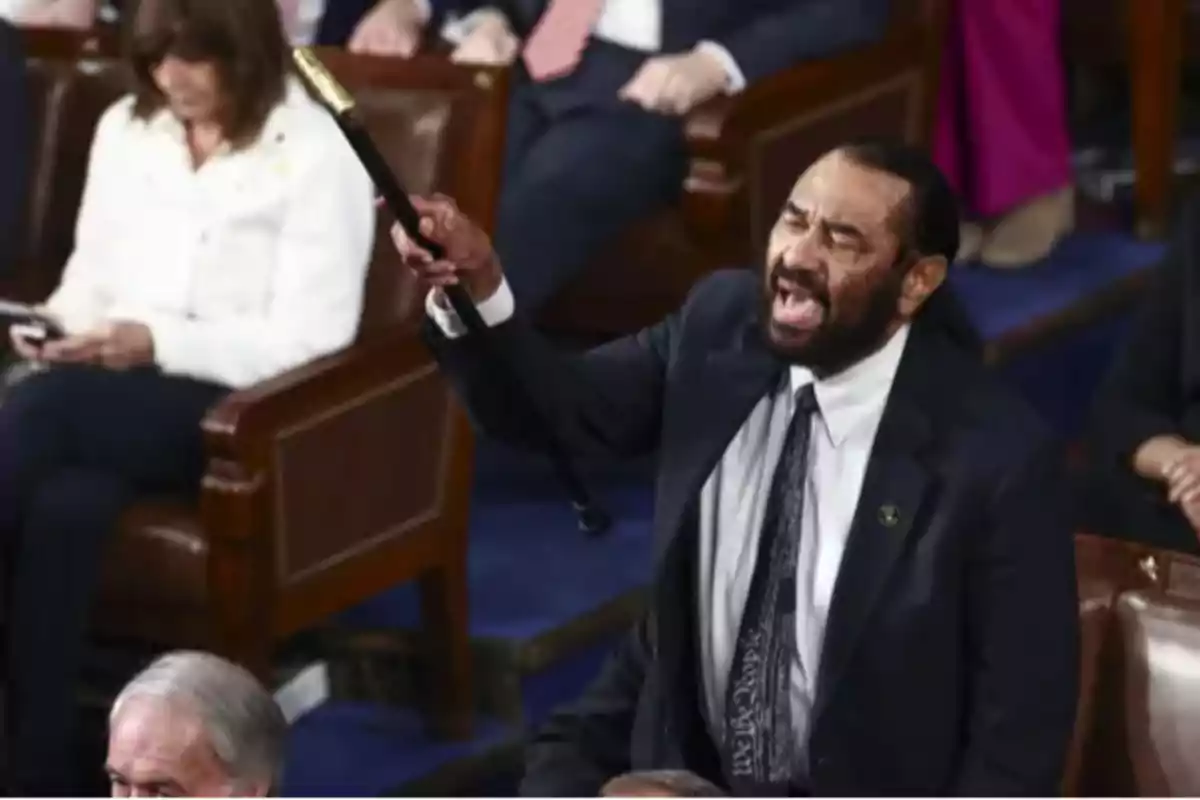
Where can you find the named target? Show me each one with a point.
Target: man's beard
(848, 334)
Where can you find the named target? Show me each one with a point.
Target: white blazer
(243, 269)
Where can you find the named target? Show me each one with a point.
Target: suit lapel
(895, 489)
(713, 396)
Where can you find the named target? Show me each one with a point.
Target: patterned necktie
(556, 44)
(760, 750)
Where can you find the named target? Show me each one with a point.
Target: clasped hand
(468, 258)
(116, 345)
(676, 84)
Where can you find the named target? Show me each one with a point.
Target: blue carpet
(1001, 301)
(531, 570)
(357, 750)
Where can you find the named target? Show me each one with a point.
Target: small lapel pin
(889, 515)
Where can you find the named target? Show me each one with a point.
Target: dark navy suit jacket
(950, 663)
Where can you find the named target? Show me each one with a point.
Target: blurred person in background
(595, 139)
(223, 239)
(195, 725)
(1002, 135)
(1142, 477)
(660, 783)
(380, 27)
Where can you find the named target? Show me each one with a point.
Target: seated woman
(1143, 476)
(224, 237)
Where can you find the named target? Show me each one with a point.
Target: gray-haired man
(194, 725)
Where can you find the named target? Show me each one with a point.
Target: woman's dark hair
(244, 39)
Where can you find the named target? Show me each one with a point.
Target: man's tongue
(797, 310)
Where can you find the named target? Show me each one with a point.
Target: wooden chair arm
(242, 427)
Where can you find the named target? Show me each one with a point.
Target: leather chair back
(1159, 652)
(67, 98)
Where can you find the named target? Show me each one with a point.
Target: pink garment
(1001, 135)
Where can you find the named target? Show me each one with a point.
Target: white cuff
(495, 310)
(737, 80)
(458, 28)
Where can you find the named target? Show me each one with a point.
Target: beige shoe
(970, 241)
(1029, 232)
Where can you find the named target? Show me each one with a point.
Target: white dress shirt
(251, 265)
(635, 24)
(733, 503)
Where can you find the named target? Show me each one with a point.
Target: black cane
(592, 519)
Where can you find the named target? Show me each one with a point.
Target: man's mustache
(807, 279)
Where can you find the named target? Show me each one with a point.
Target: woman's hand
(126, 345)
(78, 348)
(116, 345)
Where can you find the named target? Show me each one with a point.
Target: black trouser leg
(77, 445)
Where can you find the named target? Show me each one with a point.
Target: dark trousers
(580, 167)
(77, 445)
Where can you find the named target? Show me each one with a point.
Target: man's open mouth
(795, 306)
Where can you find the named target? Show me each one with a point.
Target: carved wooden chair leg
(445, 615)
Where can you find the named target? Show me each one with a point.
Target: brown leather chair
(1149, 37)
(745, 154)
(332, 482)
(1105, 568)
(1148, 731)
(1138, 728)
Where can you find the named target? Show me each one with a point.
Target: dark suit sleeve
(1142, 396)
(584, 746)
(15, 146)
(1023, 633)
(605, 401)
(803, 29)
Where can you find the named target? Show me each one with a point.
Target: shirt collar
(857, 392)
